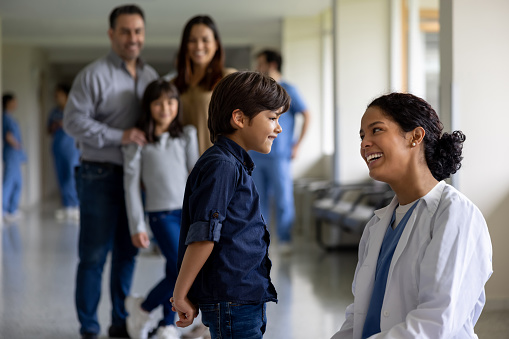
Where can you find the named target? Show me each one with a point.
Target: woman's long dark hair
(214, 71)
(153, 92)
(441, 151)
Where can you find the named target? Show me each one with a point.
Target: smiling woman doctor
(425, 258)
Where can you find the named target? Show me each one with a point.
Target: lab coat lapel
(403, 240)
(377, 234)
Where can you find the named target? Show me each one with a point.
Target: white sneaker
(168, 332)
(60, 214)
(72, 213)
(12, 217)
(138, 322)
(198, 331)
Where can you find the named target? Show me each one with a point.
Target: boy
(223, 250)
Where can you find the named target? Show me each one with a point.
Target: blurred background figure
(273, 175)
(66, 157)
(13, 157)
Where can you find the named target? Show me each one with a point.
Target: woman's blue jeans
(166, 229)
(227, 320)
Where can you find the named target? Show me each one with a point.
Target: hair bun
(447, 155)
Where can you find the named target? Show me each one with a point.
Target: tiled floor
(38, 262)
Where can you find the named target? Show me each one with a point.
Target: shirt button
(215, 215)
(386, 314)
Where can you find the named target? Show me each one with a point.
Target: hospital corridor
(112, 110)
(38, 269)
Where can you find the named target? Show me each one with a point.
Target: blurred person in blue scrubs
(13, 157)
(66, 156)
(273, 177)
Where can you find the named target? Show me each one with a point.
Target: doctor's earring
(414, 144)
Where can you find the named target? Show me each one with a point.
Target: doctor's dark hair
(441, 151)
(250, 92)
(63, 87)
(126, 9)
(153, 92)
(272, 56)
(6, 98)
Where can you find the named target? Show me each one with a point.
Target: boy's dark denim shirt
(221, 204)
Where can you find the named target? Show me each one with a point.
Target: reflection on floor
(38, 263)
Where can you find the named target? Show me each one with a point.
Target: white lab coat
(435, 286)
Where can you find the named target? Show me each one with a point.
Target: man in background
(273, 175)
(101, 112)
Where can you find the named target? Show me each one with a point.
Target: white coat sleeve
(453, 271)
(132, 188)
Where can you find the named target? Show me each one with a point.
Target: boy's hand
(185, 310)
(140, 240)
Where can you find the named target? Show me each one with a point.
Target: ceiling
(77, 27)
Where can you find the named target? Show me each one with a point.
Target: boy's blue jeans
(166, 229)
(227, 320)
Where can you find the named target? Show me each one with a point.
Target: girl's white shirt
(435, 286)
(162, 168)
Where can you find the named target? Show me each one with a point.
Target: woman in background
(425, 258)
(200, 65)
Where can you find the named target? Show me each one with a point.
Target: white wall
(24, 68)
(303, 51)
(480, 81)
(363, 40)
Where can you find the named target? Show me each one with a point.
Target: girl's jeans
(166, 229)
(227, 320)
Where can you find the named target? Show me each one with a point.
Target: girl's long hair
(153, 92)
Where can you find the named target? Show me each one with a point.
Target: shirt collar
(118, 61)
(237, 151)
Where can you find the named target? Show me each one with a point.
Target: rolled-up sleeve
(209, 200)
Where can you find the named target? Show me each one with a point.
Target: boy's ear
(238, 119)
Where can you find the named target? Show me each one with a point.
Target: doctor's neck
(414, 187)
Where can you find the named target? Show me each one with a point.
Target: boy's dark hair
(153, 92)
(441, 150)
(250, 92)
(126, 9)
(6, 98)
(61, 87)
(272, 56)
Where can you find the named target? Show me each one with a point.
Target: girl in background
(425, 258)
(200, 65)
(161, 167)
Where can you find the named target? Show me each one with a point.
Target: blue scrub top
(9, 124)
(391, 239)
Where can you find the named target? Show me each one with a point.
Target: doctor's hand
(186, 311)
(134, 135)
(140, 240)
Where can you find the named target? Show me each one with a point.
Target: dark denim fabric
(103, 227)
(227, 320)
(166, 229)
(221, 204)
